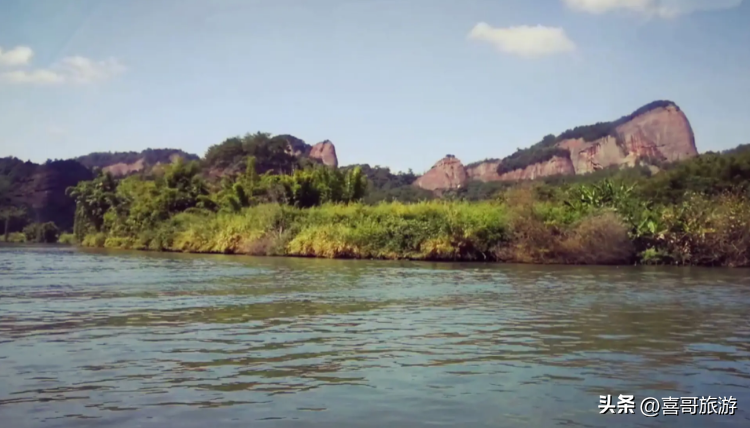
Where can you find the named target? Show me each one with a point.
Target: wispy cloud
(658, 8)
(20, 55)
(57, 131)
(524, 41)
(73, 69)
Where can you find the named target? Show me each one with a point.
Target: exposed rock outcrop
(447, 173)
(325, 152)
(121, 168)
(661, 134)
(657, 132)
(556, 166)
(296, 147)
(484, 171)
(125, 163)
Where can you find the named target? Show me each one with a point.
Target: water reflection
(101, 338)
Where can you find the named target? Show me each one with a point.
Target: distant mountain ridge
(124, 163)
(654, 133)
(658, 132)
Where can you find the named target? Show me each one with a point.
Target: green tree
(8, 210)
(93, 199)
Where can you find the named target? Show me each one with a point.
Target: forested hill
(148, 157)
(32, 192)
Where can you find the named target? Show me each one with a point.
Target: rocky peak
(484, 171)
(325, 152)
(447, 173)
(656, 132)
(126, 163)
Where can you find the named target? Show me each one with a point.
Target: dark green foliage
(43, 233)
(479, 191)
(613, 172)
(385, 186)
(547, 148)
(525, 157)
(604, 129)
(15, 169)
(693, 213)
(272, 153)
(473, 164)
(707, 174)
(93, 199)
(226, 154)
(742, 148)
(135, 205)
(150, 157)
(12, 215)
(297, 145)
(40, 189)
(405, 194)
(382, 178)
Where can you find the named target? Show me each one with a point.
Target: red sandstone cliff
(325, 152)
(555, 166)
(125, 163)
(484, 171)
(656, 132)
(447, 173)
(663, 134)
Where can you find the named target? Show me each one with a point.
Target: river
(130, 339)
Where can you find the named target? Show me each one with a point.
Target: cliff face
(125, 163)
(41, 188)
(555, 166)
(447, 173)
(325, 152)
(119, 169)
(659, 132)
(662, 134)
(484, 171)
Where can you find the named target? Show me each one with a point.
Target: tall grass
(14, 237)
(516, 228)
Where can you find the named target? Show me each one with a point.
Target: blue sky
(396, 83)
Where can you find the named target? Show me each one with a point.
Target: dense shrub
(14, 237)
(693, 213)
(67, 239)
(41, 232)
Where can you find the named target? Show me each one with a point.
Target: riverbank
(518, 227)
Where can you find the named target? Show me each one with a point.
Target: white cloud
(42, 77)
(20, 55)
(74, 69)
(525, 41)
(660, 8)
(57, 131)
(78, 69)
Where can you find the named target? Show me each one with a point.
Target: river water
(127, 339)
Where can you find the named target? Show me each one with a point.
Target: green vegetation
(385, 186)
(272, 153)
(539, 152)
(693, 213)
(10, 212)
(67, 239)
(136, 205)
(32, 192)
(43, 233)
(15, 237)
(547, 148)
(149, 156)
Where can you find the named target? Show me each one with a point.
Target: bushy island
(266, 201)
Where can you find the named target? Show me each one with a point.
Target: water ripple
(121, 339)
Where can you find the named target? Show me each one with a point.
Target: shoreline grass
(519, 229)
